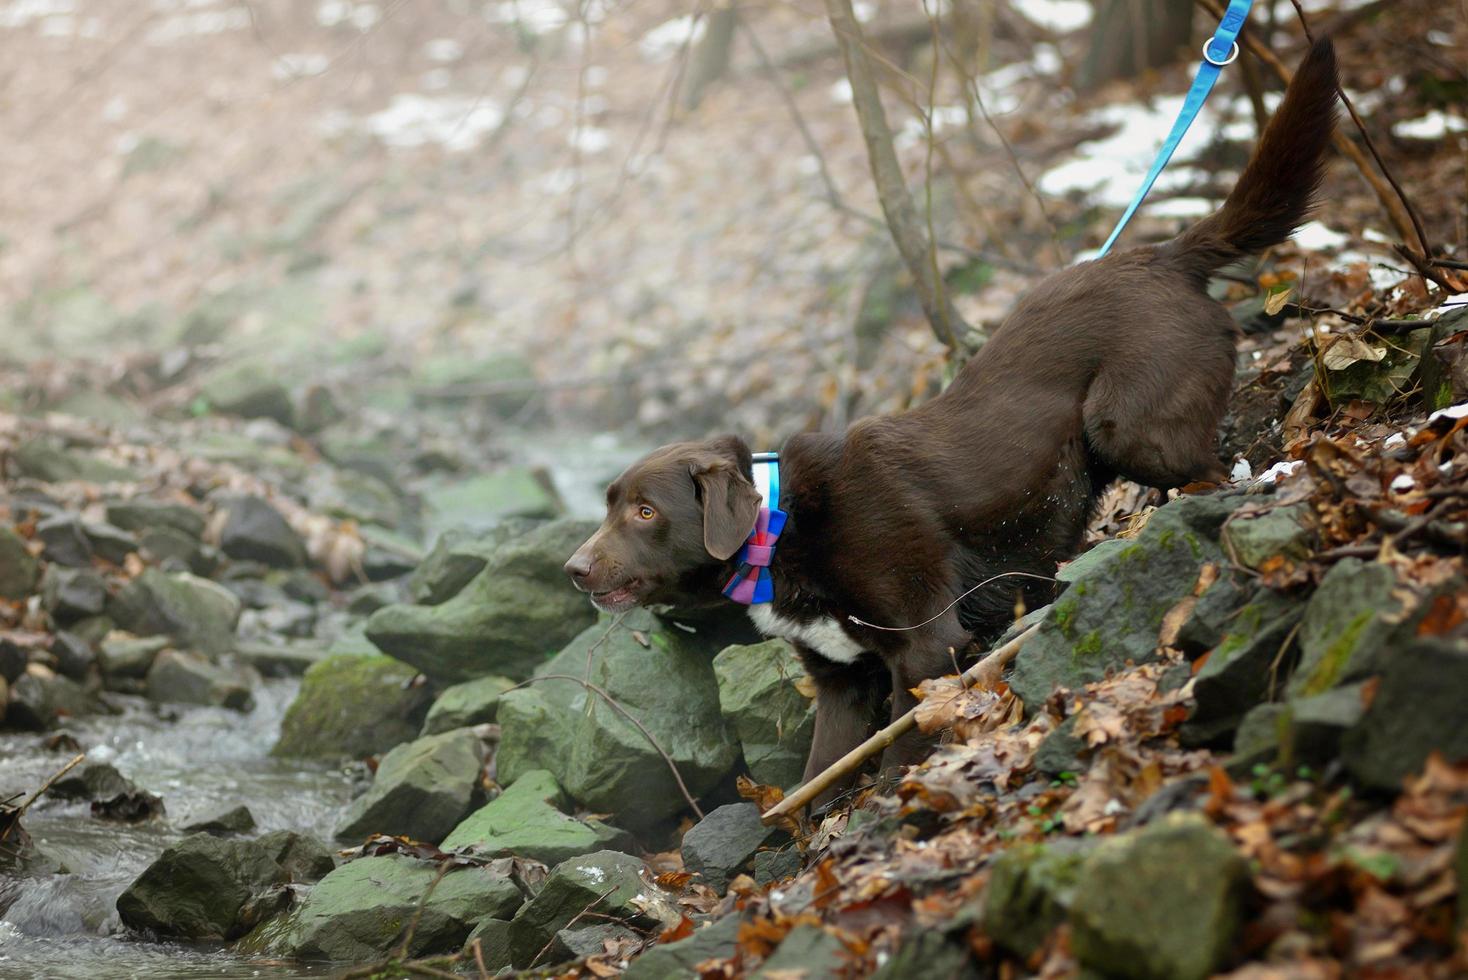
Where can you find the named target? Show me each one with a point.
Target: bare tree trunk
(711, 58)
(902, 218)
(1130, 36)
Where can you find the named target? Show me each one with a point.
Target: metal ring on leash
(1208, 55)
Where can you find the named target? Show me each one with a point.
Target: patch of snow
(289, 66)
(1433, 126)
(454, 122)
(1242, 471)
(669, 37)
(1451, 412)
(593, 873)
(1046, 59)
(1281, 469)
(1394, 440)
(1403, 483)
(1443, 39)
(1449, 305)
(443, 49)
(1181, 207)
(1057, 15)
(1315, 235)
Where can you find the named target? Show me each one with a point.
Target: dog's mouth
(620, 599)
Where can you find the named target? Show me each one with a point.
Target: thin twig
(15, 818)
(986, 671)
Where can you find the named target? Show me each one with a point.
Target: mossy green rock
(1281, 531)
(493, 937)
(1243, 668)
(1348, 624)
(765, 710)
(526, 820)
(360, 910)
(43, 460)
(352, 706)
(1118, 595)
(1419, 709)
(507, 621)
(480, 502)
(198, 888)
(19, 570)
(195, 612)
(657, 673)
(1161, 903)
(470, 703)
(676, 961)
(1031, 888)
(302, 856)
(609, 884)
(422, 789)
(456, 557)
(144, 515)
(250, 391)
(183, 677)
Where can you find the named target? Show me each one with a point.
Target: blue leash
(1224, 40)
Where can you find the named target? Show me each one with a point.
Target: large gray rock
(195, 612)
(1162, 903)
(221, 821)
(179, 677)
(19, 570)
(248, 390)
(470, 703)
(723, 843)
(44, 460)
(360, 911)
(613, 886)
(480, 502)
(1418, 710)
(677, 961)
(658, 674)
(1283, 531)
(1031, 888)
(1350, 620)
(509, 620)
(353, 706)
(144, 515)
(255, 531)
(302, 856)
(65, 541)
(41, 698)
(70, 594)
(421, 790)
(121, 654)
(1119, 592)
(200, 888)
(1242, 668)
(763, 706)
(457, 556)
(526, 820)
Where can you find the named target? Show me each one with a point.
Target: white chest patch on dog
(825, 635)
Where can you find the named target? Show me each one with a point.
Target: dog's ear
(730, 501)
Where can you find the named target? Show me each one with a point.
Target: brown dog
(1117, 367)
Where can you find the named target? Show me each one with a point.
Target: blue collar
(751, 584)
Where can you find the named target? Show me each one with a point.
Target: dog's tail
(1277, 190)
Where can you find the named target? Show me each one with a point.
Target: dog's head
(674, 518)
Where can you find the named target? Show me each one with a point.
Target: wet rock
(19, 570)
(514, 614)
(1348, 623)
(303, 857)
(65, 541)
(291, 659)
(526, 820)
(110, 543)
(677, 961)
(181, 677)
(456, 557)
(124, 655)
(1061, 751)
(493, 937)
(722, 844)
(177, 551)
(1031, 888)
(1417, 710)
(13, 659)
(808, 951)
(773, 866)
(1283, 531)
(195, 612)
(222, 821)
(92, 781)
(482, 501)
(1163, 902)
(587, 940)
(760, 698)
(657, 673)
(199, 888)
(470, 703)
(360, 911)
(422, 789)
(134, 805)
(75, 657)
(1119, 592)
(70, 594)
(1213, 615)
(606, 882)
(354, 706)
(40, 698)
(255, 531)
(140, 516)
(1242, 668)
(249, 391)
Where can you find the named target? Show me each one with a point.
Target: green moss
(1079, 589)
(1164, 539)
(1325, 673)
(1064, 616)
(1090, 644)
(1195, 544)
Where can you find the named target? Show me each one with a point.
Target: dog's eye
(646, 513)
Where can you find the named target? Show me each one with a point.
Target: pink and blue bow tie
(752, 584)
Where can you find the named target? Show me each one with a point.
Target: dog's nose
(579, 567)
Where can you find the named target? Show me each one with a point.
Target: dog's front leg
(847, 697)
(932, 653)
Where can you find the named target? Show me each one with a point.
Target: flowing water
(65, 926)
